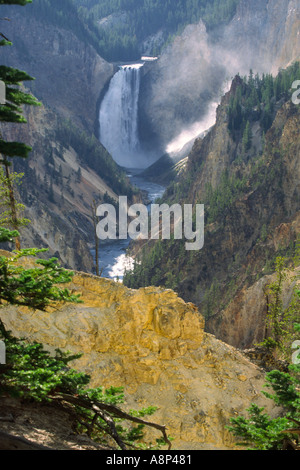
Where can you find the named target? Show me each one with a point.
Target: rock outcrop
(69, 73)
(243, 322)
(153, 344)
(267, 34)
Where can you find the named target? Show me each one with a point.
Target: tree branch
(107, 412)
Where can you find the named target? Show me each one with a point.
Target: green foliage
(249, 171)
(219, 199)
(112, 395)
(32, 373)
(6, 216)
(7, 235)
(149, 271)
(247, 138)
(212, 298)
(259, 430)
(132, 436)
(297, 252)
(122, 40)
(11, 111)
(262, 432)
(280, 319)
(255, 98)
(36, 287)
(95, 156)
(144, 18)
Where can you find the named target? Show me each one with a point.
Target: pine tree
(11, 111)
(78, 175)
(262, 432)
(36, 287)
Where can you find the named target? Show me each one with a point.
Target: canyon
(178, 94)
(183, 348)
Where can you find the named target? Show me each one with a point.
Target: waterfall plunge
(118, 118)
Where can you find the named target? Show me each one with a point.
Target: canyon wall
(180, 90)
(255, 197)
(66, 170)
(69, 74)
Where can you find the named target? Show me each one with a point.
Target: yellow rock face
(153, 344)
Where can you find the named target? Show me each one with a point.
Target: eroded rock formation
(153, 344)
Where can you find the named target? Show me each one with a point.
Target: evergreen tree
(259, 430)
(35, 287)
(11, 111)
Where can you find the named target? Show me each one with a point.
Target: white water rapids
(113, 259)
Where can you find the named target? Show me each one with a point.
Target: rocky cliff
(243, 322)
(193, 72)
(68, 168)
(153, 344)
(255, 196)
(241, 250)
(267, 34)
(66, 171)
(69, 74)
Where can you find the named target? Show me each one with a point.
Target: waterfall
(118, 118)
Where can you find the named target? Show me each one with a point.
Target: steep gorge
(68, 168)
(66, 171)
(149, 340)
(176, 91)
(256, 219)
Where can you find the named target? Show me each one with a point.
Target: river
(113, 259)
(118, 132)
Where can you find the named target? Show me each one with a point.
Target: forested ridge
(142, 18)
